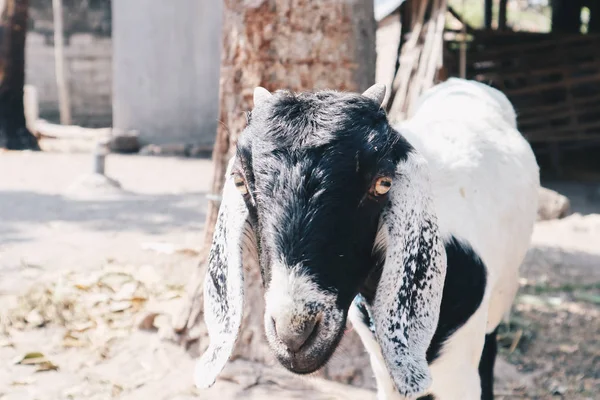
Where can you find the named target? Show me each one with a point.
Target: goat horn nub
(375, 93)
(260, 95)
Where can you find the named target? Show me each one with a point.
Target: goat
(414, 233)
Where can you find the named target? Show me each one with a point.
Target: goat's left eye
(382, 186)
(240, 184)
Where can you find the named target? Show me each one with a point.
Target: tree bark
(297, 45)
(14, 134)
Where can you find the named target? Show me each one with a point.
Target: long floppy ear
(224, 283)
(408, 297)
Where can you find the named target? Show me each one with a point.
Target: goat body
(415, 233)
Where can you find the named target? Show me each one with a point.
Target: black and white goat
(414, 233)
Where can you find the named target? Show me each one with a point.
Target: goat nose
(293, 339)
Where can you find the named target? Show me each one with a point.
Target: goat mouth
(313, 354)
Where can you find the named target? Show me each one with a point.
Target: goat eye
(382, 186)
(240, 184)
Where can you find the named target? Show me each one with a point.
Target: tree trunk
(14, 134)
(298, 45)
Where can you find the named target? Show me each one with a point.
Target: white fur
(289, 291)
(293, 299)
(484, 180)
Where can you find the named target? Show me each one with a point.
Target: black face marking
(464, 287)
(309, 162)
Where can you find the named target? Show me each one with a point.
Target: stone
(124, 142)
(552, 205)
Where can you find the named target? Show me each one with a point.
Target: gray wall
(166, 58)
(88, 62)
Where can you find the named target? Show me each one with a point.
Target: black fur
(464, 287)
(428, 397)
(486, 366)
(309, 161)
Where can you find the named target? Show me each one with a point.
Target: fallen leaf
(116, 389)
(86, 283)
(72, 342)
(35, 318)
(126, 292)
(568, 348)
(162, 321)
(46, 366)
(148, 322)
(28, 380)
(148, 275)
(171, 294)
(188, 251)
(30, 358)
(82, 326)
(119, 306)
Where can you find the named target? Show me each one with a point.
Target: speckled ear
(224, 283)
(407, 301)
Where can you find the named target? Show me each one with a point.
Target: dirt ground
(88, 274)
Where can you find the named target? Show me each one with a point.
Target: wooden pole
(463, 45)
(502, 15)
(487, 14)
(59, 62)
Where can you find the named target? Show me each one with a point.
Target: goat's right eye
(240, 184)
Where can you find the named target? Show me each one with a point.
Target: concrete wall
(166, 69)
(89, 69)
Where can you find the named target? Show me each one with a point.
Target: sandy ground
(52, 231)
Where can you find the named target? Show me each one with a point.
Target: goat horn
(260, 95)
(375, 93)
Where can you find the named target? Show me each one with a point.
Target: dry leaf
(126, 292)
(72, 342)
(568, 348)
(147, 323)
(28, 380)
(116, 390)
(162, 321)
(119, 306)
(35, 318)
(148, 275)
(188, 251)
(46, 366)
(82, 326)
(86, 283)
(171, 294)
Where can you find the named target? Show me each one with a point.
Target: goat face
(313, 170)
(313, 188)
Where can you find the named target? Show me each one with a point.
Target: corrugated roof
(383, 8)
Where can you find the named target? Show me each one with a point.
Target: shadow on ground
(22, 211)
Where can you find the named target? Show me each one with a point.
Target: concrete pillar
(166, 65)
